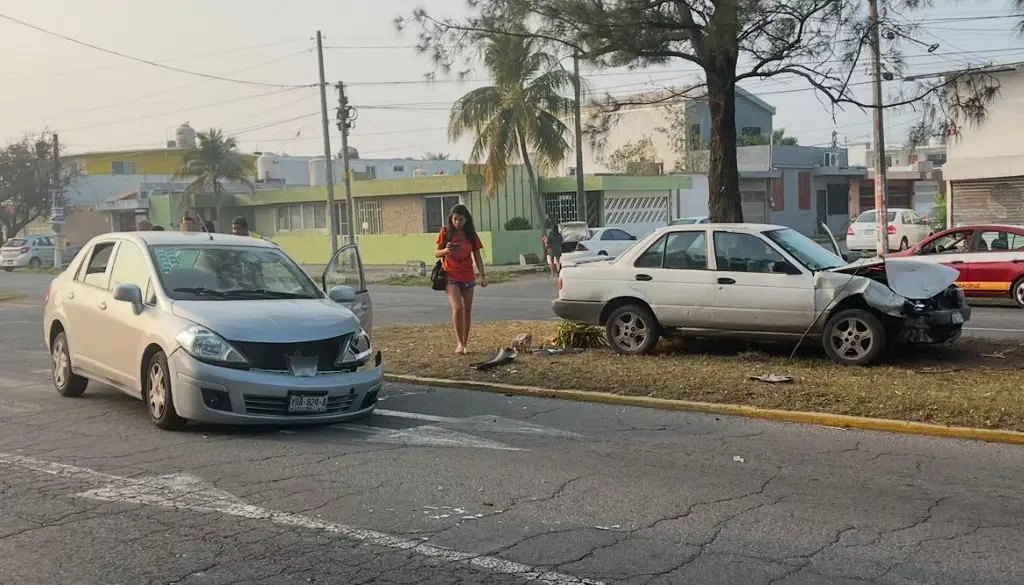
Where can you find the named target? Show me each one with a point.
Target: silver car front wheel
(854, 337)
(159, 399)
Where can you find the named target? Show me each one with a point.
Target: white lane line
(483, 423)
(993, 329)
(184, 492)
(425, 436)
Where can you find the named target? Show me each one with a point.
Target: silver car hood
(908, 277)
(270, 321)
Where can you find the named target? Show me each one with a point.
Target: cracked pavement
(634, 497)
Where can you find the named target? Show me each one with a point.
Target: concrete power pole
(327, 146)
(57, 207)
(346, 121)
(881, 199)
(581, 194)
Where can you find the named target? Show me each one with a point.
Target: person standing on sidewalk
(458, 246)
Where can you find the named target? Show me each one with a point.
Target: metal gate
(991, 201)
(755, 206)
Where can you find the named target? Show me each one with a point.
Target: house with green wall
(397, 220)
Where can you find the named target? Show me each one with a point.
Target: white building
(985, 165)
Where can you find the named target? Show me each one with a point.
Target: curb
(790, 416)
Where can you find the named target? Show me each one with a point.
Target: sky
(98, 101)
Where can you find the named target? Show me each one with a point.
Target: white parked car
(214, 328)
(605, 241)
(906, 229)
(761, 282)
(26, 252)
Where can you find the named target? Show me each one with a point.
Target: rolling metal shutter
(625, 210)
(998, 201)
(755, 206)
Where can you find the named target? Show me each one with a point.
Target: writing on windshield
(230, 273)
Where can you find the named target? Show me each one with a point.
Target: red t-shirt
(458, 264)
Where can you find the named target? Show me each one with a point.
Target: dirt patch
(9, 296)
(975, 383)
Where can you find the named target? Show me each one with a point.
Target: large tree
(633, 158)
(216, 159)
(778, 138)
(823, 43)
(519, 114)
(26, 178)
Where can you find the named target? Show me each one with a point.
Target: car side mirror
(129, 293)
(342, 294)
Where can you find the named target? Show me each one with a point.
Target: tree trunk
(723, 170)
(534, 186)
(219, 205)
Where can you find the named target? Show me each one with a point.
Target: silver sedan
(214, 328)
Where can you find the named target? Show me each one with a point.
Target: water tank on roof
(352, 153)
(185, 136)
(268, 167)
(317, 171)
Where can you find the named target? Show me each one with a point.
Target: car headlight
(356, 351)
(205, 345)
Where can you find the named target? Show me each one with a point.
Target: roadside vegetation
(972, 382)
(9, 296)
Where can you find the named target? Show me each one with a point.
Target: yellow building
(150, 162)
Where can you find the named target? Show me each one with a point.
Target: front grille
(278, 406)
(274, 356)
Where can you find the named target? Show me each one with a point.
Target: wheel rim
(157, 390)
(1019, 293)
(61, 364)
(630, 331)
(852, 338)
(903, 244)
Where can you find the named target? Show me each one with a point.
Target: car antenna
(203, 223)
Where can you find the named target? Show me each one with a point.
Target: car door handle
(956, 262)
(71, 295)
(102, 306)
(725, 280)
(644, 277)
(1018, 261)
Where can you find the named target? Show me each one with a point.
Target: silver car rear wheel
(64, 379)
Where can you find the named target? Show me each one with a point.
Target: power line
(272, 124)
(141, 60)
(178, 58)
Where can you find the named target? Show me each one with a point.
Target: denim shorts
(462, 285)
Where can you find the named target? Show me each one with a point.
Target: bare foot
(460, 350)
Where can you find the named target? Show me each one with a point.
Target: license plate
(958, 318)
(9, 262)
(867, 232)
(305, 404)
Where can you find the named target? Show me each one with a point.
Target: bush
(518, 224)
(576, 335)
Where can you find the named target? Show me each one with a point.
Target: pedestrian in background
(554, 252)
(143, 225)
(458, 246)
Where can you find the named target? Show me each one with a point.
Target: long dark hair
(468, 228)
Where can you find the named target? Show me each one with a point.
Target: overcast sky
(100, 101)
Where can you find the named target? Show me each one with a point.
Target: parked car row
(761, 282)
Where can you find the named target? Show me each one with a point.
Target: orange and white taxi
(990, 258)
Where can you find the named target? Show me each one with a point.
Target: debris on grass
(505, 355)
(772, 378)
(952, 384)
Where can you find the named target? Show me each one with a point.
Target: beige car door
(757, 289)
(346, 269)
(674, 276)
(124, 330)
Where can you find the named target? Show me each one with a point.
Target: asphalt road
(447, 486)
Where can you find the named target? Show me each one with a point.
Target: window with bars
(561, 208)
(301, 216)
(369, 216)
(435, 211)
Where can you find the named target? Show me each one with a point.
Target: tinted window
(96, 268)
(1000, 241)
(687, 251)
(622, 236)
(609, 235)
(745, 253)
(805, 250)
(653, 256)
(130, 267)
(14, 243)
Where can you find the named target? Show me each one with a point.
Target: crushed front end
(938, 319)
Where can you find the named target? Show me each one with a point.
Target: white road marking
(484, 423)
(991, 329)
(425, 436)
(185, 492)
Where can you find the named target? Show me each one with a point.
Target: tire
(35, 263)
(602, 253)
(65, 381)
(904, 244)
(159, 399)
(632, 330)
(8, 269)
(1017, 292)
(845, 335)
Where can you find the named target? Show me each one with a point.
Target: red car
(990, 258)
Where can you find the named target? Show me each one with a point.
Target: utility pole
(881, 199)
(346, 121)
(581, 195)
(327, 146)
(57, 207)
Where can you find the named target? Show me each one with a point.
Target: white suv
(906, 228)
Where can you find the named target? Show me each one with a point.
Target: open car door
(835, 245)
(346, 269)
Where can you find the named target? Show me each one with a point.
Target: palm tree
(518, 114)
(435, 156)
(216, 159)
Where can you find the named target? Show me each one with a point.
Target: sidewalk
(377, 272)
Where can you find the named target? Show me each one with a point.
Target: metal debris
(772, 378)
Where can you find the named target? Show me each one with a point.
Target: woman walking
(457, 247)
(554, 249)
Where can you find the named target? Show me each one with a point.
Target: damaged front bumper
(933, 325)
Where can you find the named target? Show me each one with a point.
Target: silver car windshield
(805, 250)
(231, 273)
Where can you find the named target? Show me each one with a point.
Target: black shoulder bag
(438, 276)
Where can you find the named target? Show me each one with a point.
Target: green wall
(506, 247)
(397, 249)
(511, 199)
